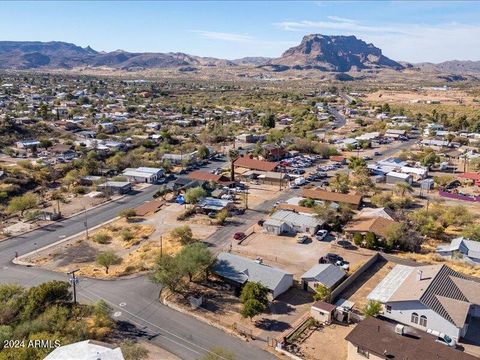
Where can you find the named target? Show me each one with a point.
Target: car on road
(239, 236)
(321, 234)
(302, 239)
(377, 153)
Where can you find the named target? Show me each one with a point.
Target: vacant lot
(329, 341)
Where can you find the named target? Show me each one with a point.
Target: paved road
(134, 301)
(339, 118)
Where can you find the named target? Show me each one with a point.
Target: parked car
(211, 215)
(239, 236)
(443, 338)
(345, 265)
(330, 259)
(302, 239)
(240, 211)
(261, 222)
(321, 234)
(377, 153)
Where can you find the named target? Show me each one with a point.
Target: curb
(18, 260)
(63, 218)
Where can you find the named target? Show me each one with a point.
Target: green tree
(472, 232)
(430, 159)
(183, 234)
(38, 298)
(22, 203)
(221, 217)
(46, 143)
(107, 259)
(403, 187)
(307, 202)
(268, 121)
(322, 293)
(340, 183)
(393, 235)
(251, 308)
(169, 272)
(370, 240)
(372, 308)
(194, 259)
(203, 152)
(254, 297)
(358, 239)
(193, 195)
(355, 161)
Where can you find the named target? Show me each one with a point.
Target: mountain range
(316, 51)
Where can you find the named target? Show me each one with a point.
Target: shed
(325, 274)
(322, 311)
(394, 177)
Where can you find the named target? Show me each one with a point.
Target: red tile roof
(206, 176)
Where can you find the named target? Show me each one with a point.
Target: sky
(429, 31)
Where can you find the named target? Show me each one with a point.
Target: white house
(288, 222)
(462, 248)
(88, 349)
(394, 177)
(143, 174)
(432, 297)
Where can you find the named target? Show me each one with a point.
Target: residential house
(353, 200)
(394, 177)
(87, 349)
(377, 339)
(181, 158)
(461, 248)
(209, 204)
(115, 187)
(246, 162)
(431, 297)
(238, 270)
(202, 175)
(327, 275)
(27, 144)
(283, 222)
(143, 174)
(273, 152)
(377, 225)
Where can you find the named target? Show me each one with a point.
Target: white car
(442, 338)
(321, 234)
(343, 264)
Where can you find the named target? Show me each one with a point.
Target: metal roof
(240, 270)
(390, 283)
(326, 274)
(296, 219)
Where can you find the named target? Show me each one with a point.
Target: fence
(449, 195)
(348, 281)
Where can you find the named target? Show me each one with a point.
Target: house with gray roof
(430, 298)
(322, 274)
(285, 222)
(463, 249)
(237, 270)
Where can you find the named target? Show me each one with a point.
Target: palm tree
(403, 187)
(233, 155)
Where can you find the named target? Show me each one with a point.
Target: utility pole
(85, 223)
(73, 281)
(161, 246)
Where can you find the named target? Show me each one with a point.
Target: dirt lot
(329, 341)
(259, 193)
(285, 253)
(360, 289)
(445, 97)
(148, 236)
(221, 306)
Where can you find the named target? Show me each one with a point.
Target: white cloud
(230, 37)
(402, 41)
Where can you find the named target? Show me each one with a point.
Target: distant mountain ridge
(334, 53)
(316, 51)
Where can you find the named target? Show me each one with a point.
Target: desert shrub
(102, 238)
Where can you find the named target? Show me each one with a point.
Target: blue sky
(409, 31)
